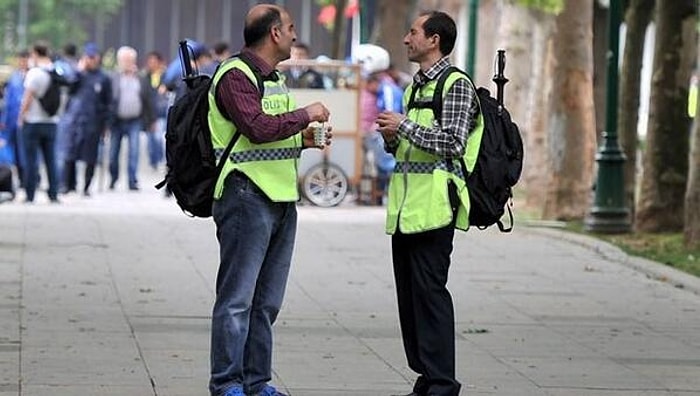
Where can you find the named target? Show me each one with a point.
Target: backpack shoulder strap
(440, 87)
(258, 77)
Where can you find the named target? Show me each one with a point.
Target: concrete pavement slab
(112, 295)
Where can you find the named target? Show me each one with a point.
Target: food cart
(326, 176)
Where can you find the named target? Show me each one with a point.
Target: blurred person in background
(37, 126)
(154, 70)
(134, 110)
(86, 118)
(14, 90)
(302, 76)
(388, 97)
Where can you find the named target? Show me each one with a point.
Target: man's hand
(388, 123)
(308, 137)
(317, 112)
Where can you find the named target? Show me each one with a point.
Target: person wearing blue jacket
(389, 98)
(14, 91)
(86, 118)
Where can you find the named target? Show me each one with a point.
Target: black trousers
(426, 314)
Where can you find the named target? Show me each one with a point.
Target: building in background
(159, 24)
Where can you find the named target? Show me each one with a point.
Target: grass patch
(663, 248)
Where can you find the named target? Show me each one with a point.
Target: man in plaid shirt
(428, 199)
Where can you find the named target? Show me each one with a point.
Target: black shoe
(410, 394)
(111, 184)
(134, 188)
(54, 200)
(86, 194)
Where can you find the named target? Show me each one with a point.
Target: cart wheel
(325, 185)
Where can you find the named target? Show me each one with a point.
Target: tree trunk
(571, 125)
(666, 156)
(600, 66)
(637, 18)
(535, 175)
(394, 19)
(515, 35)
(691, 228)
(520, 33)
(339, 25)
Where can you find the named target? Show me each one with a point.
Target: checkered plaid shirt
(459, 112)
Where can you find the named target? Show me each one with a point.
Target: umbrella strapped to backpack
(500, 79)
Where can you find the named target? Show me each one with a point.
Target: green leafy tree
(56, 21)
(547, 6)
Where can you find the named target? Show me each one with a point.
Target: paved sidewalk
(112, 296)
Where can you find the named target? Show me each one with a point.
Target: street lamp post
(473, 22)
(609, 213)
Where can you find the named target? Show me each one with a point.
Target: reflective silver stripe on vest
(262, 154)
(427, 167)
(276, 90)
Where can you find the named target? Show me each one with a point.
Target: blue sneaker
(270, 390)
(235, 391)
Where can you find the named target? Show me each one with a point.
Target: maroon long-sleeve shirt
(239, 99)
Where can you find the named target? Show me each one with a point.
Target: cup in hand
(320, 135)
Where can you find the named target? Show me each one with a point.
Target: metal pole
(609, 213)
(473, 22)
(22, 24)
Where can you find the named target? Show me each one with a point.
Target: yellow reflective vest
(418, 189)
(271, 166)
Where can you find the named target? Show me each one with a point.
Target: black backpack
(499, 162)
(51, 100)
(192, 171)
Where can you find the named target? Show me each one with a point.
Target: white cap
(373, 58)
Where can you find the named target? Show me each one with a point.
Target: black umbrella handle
(186, 55)
(499, 78)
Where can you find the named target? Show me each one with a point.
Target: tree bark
(637, 18)
(600, 65)
(339, 25)
(666, 156)
(691, 227)
(571, 125)
(524, 33)
(394, 19)
(535, 174)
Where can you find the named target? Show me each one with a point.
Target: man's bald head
(260, 19)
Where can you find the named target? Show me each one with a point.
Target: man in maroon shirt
(255, 202)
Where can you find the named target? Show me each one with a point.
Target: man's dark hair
(70, 50)
(444, 26)
(220, 47)
(255, 31)
(41, 48)
(23, 54)
(155, 54)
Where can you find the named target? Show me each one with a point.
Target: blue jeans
(131, 129)
(155, 143)
(40, 136)
(256, 240)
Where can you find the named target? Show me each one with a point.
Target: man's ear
(275, 34)
(435, 40)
